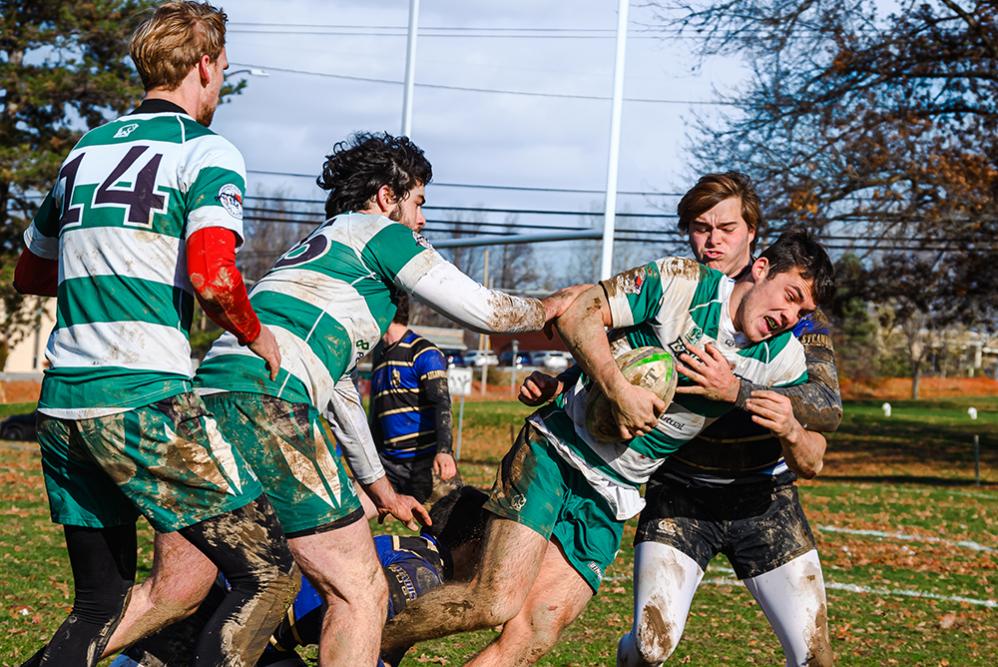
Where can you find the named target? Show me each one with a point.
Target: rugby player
(145, 214)
(731, 490)
(328, 300)
(444, 551)
(560, 481)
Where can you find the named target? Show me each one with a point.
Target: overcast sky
(286, 121)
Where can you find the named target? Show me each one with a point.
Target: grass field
(908, 543)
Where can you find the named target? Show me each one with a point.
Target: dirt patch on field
(930, 387)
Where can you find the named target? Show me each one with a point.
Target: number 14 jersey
(127, 197)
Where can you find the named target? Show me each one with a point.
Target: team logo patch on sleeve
(231, 200)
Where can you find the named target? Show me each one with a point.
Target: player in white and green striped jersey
(560, 484)
(120, 429)
(328, 301)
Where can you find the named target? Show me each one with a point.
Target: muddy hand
(538, 389)
(635, 409)
(711, 372)
(265, 346)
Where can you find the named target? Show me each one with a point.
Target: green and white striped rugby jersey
(669, 303)
(128, 196)
(329, 300)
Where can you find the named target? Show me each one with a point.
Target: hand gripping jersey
(128, 196)
(736, 450)
(669, 303)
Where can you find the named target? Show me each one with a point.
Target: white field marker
(966, 544)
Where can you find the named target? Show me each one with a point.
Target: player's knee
(655, 639)
(633, 653)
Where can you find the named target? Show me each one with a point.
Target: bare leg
(181, 576)
(511, 558)
(558, 596)
(344, 568)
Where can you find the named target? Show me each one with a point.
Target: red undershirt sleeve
(211, 267)
(36, 275)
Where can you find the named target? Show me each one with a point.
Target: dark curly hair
(358, 167)
(798, 248)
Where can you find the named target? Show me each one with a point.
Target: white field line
(966, 544)
(853, 588)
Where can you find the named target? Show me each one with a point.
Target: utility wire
(470, 89)
(478, 186)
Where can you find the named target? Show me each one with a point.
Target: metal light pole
(609, 211)
(410, 68)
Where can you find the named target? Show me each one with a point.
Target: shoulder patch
(681, 267)
(231, 200)
(125, 130)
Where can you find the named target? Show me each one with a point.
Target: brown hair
(170, 42)
(711, 190)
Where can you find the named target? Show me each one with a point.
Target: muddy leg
(793, 599)
(665, 580)
(181, 576)
(511, 558)
(249, 548)
(558, 596)
(343, 566)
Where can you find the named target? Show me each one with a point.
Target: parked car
(506, 358)
(552, 360)
(18, 427)
(480, 358)
(454, 357)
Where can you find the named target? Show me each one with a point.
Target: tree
(64, 68)
(878, 130)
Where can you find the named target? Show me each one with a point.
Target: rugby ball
(650, 367)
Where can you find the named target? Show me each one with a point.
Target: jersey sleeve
(430, 364)
(789, 368)
(637, 295)
(348, 420)
(42, 235)
(399, 255)
(216, 185)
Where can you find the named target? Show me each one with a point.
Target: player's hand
(774, 411)
(265, 346)
(405, 508)
(539, 388)
(711, 372)
(558, 303)
(444, 466)
(635, 410)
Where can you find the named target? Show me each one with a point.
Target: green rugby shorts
(293, 453)
(537, 488)
(167, 461)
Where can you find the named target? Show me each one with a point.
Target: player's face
(410, 210)
(773, 304)
(210, 93)
(721, 238)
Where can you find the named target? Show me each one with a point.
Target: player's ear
(204, 69)
(760, 269)
(385, 199)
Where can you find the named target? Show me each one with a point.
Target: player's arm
(803, 449)
(37, 269)
(583, 328)
(431, 368)
(817, 403)
(348, 421)
(219, 287)
(404, 257)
